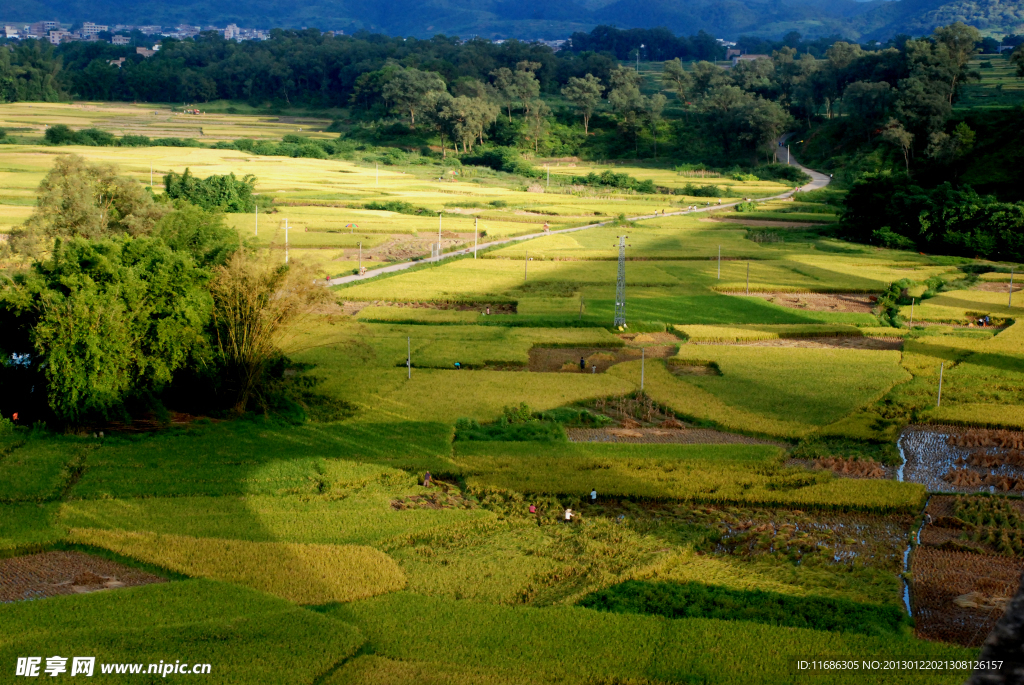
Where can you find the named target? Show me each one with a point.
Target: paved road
(818, 181)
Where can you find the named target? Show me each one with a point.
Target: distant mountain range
(528, 19)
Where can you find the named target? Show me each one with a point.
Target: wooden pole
(408, 359)
(360, 256)
(476, 234)
(581, 308)
(643, 360)
(286, 241)
(748, 278)
(526, 264)
(1009, 299)
(719, 262)
(938, 402)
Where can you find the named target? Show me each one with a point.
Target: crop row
(305, 574)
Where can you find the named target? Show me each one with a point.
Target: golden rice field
(312, 545)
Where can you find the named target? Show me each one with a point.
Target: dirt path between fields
(843, 343)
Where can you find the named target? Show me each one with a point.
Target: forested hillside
(879, 19)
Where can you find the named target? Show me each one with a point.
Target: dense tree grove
(124, 296)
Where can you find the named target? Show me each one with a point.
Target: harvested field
(845, 343)
(943, 467)
(959, 596)
(997, 287)
(567, 359)
(847, 468)
(661, 436)
(65, 573)
(953, 523)
(871, 540)
(858, 303)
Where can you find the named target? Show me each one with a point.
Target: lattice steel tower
(620, 285)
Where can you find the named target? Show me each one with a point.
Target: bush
(135, 141)
(503, 431)
(398, 207)
(696, 600)
(610, 179)
(61, 134)
(699, 191)
(746, 207)
(177, 142)
(213, 192)
(781, 172)
(502, 159)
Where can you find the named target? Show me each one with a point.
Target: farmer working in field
(583, 364)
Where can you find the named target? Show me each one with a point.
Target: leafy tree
(899, 137)
(677, 78)
(102, 321)
(707, 76)
(957, 43)
(654, 107)
(254, 302)
(1017, 59)
(224, 192)
(199, 233)
(868, 102)
(584, 93)
(411, 90)
(627, 100)
(78, 199)
(526, 85)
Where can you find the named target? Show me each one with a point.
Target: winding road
(818, 181)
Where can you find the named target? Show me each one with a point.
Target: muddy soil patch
(944, 467)
(959, 596)
(662, 436)
(65, 573)
(844, 343)
(567, 359)
(997, 287)
(858, 303)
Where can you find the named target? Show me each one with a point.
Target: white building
(91, 29)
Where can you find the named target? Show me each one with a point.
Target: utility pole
(256, 216)
(620, 286)
(938, 402)
(581, 308)
(719, 262)
(476, 234)
(286, 241)
(787, 153)
(1009, 300)
(549, 175)
(360, 256)
(526, 263)
(408, 358)
(638, 57)
(643, 361)
(912, 311)
(439, 235)
(748, 278)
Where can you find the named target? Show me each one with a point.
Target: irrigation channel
(917, 536)
(818, 181)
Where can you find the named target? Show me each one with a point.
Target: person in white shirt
(568, 515)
